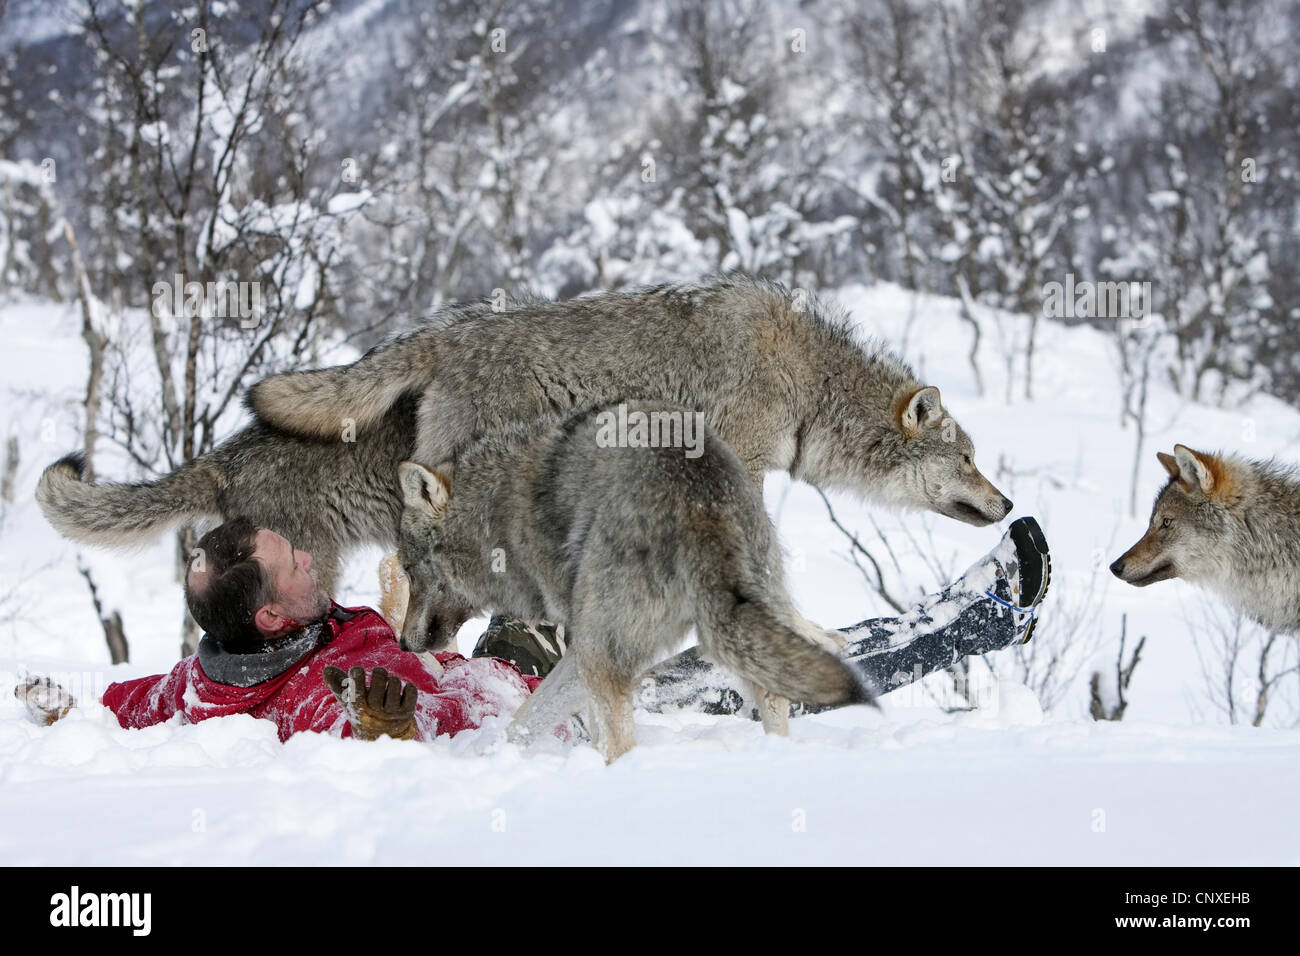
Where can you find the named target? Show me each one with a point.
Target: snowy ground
(912, 784)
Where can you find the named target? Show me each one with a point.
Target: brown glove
(386, 707)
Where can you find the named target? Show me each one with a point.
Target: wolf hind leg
(773, 710)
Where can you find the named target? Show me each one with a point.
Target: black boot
(994, 604)
(534, 650)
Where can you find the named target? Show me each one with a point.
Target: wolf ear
(921, 411)
(1194, 469)
(1170, 463)
(425, 490)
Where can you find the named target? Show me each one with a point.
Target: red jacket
(297, 699)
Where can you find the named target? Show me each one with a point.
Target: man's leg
(993, 605)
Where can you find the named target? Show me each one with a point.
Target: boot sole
(1029, 539)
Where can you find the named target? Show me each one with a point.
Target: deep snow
(909, 785)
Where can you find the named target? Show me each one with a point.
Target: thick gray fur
(628, 547)
(781, 379)
(779, 376)
(324, 496)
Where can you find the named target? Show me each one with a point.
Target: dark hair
(235, 585)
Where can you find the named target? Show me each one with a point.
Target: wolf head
(919, 458)
(1185, 535)
(436, 609)
(938, 463)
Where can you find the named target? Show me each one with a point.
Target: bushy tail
(756, 642)
(316, 404)
(123, 515)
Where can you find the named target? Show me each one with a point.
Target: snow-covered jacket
(296, 697)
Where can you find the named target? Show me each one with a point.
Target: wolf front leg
(559, 697)
(612, 730)
(611, 691)
(394, 592)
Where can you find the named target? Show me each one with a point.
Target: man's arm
(146, 701)
(385, 707)
(136, 703)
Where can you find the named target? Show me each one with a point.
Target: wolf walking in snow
(627, 546)
(779, 378)
(1230, 525)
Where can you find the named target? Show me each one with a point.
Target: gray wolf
(1230, 525)
(626, 546)
(782, 381)
(778, 376)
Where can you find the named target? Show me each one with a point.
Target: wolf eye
(1166, 522)
(966, 459)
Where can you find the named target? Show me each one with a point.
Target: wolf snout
(414, 642)
(996, 508)
(1141, 573)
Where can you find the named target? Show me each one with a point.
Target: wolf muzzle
(1123, 567)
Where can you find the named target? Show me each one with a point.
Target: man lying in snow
(276, 646)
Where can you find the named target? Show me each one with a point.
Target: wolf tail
(116, 515)
(315, 404)
(749, 636)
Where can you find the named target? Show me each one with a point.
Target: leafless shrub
(1243, 665)
(1106, 701)
(114, 634)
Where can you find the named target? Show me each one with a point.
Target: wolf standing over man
(780, 378)
(628, 546)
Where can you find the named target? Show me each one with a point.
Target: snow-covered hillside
(912, 784)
